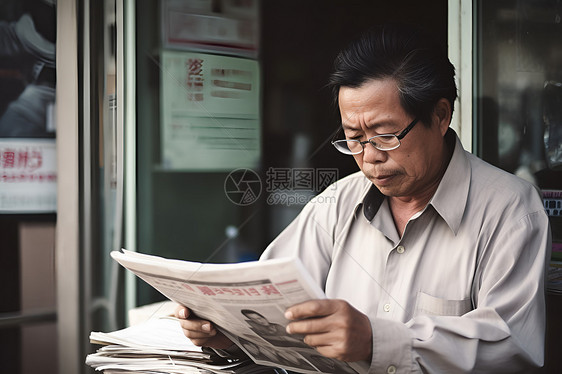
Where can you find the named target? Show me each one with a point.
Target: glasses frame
(363, 143)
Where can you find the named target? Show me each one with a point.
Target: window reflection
(519, 96)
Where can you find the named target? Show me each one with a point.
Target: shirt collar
(371, 203)
(452, 193)
(450, 198)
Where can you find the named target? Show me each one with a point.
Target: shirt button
(386, 307)
(391, 369)
(400, 249)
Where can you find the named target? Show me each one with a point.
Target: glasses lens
(349, 147)
(385, 142)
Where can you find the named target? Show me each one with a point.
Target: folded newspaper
(159, 346)
(246, 301)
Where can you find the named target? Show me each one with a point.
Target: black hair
(412, 58)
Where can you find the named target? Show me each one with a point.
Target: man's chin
(385, 185)
(387, 191)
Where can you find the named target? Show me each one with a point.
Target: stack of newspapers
(246, 301)
(159, 346)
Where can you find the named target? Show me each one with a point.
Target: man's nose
(373, 155)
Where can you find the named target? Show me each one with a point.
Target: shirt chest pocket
(433, 306)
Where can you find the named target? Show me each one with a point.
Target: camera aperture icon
(242, 186)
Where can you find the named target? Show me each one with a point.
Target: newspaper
(246, 301)
(158, 345)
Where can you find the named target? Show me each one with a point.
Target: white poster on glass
(201, 25)
(210, 112)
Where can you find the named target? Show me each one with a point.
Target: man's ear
(442, 115)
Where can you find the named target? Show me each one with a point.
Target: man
(431, 259)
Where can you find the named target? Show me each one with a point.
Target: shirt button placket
(389, 285)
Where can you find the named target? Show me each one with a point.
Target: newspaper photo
(246, 301)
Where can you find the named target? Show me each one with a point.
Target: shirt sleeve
(505, 331)
(312, 235)
(308, 237)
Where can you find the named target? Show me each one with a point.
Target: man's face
(411, 170)
(260, 320)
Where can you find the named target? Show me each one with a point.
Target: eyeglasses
(384, 142)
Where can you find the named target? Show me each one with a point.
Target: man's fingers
(199, 326)
(312, 308)
(332, 345)
(193, 324)
(318, 340)
(181, 312)
(193, 334)
(308, 326)
(201, 332)
(333, 327)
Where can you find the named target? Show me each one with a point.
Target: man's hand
(201, 332)
(333, 327)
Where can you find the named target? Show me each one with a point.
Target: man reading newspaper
(431, 259)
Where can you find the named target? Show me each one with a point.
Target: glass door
(518, 118)
(519, 96)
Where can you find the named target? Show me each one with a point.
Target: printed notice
(210, 112)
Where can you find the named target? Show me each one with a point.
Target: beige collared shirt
(461, 291)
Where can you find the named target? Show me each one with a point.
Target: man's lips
(383, 179)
